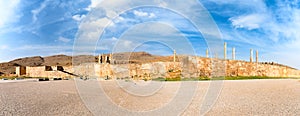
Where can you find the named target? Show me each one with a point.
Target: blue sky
(49, 27)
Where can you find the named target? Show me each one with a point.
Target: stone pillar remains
(233, 53)
(256, 56)
(20, 70)
(174, 57)
(111, 59)
(225, 50)
(251, 55)
(102, 58)
(105, 59)
(99, 58)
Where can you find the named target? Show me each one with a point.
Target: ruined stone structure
(182, 66)
(233, 53)
(50, 71)
(189, 66)
(105, 59)
(20, 70)
(196, 67)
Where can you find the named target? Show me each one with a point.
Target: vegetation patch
(174, 79)
(204, 78)
(221, 78)
(256, 77)
(8, 78)
(190, 79)
(245, 78)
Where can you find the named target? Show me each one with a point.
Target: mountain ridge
(7, 68)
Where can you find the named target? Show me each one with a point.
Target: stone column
(233, 53)
(251, 55)
(110, 58)
(99, 58)
(256, 56)
(225, 50)
(18, 70)
(102, 58)
(105, 59)
(174, 57)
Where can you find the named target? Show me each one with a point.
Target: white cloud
(154, 32)
(114, 38)
(287, 52)
(119, 19)
(93, 4)
(99, 18)
(63, 39)
(143, 14)
(140, 13)
(78, 17)
(276, 24)
(93, 24)
(278, 33)
(252, 21)
(92, 28)
(151, 15)
(37, 11)
(8, 12)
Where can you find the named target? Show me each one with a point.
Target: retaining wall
(188, 66)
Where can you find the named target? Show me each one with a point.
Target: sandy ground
(40, 98)
(239, 97)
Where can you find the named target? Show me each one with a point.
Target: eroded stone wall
(188, 66)
(41, 71)
(242, 68)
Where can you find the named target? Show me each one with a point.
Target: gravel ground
(239, 97)
(40, 98)
(259, 97)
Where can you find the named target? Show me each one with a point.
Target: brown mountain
(64, 60)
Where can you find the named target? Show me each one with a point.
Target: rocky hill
(64, 60)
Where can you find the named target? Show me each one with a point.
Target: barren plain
(238, 97)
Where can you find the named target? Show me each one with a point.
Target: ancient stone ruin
(110, 66)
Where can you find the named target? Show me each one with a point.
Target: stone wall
(43, 71)
(196, 67)
(20, 70)
(242, 68)
(188, 66)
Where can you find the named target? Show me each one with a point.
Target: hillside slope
(64, 60)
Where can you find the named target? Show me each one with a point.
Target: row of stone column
(233, 53)
(108, 58)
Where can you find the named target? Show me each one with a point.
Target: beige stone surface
(189, 66)
(40, 71)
